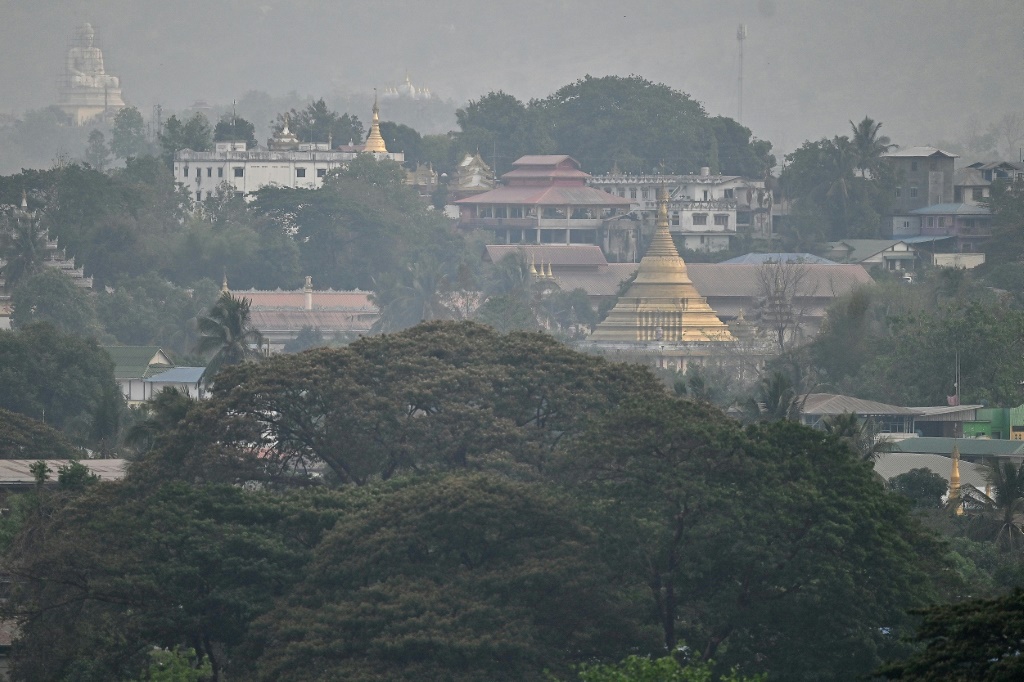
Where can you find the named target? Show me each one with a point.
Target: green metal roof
(968, 447)
(137, 362)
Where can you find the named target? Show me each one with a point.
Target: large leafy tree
(54, 377)
(318, 123)
(193, 133)
(501, 129)
(235, 128)
(466, 577)
(24, 438)
(53, 297)
(128, 134)
(228, 333)
(106, 576)
(749, 540)
(979, 640)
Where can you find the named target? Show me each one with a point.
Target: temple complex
(87, 91)
(662, 313)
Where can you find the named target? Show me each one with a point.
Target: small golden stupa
(662, 305)
(374, 142)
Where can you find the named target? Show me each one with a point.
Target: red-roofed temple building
(545, 199)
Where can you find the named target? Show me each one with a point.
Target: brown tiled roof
(604, 281)
(554, 254)
(543, 160)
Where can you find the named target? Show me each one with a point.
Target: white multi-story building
(286, 163)
(706, 210)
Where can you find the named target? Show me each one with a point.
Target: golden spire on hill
(374, 142)
(954, 482)
(662, 304)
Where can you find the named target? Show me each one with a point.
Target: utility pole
(741, 35)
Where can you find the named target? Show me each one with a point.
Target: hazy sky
(927, 68)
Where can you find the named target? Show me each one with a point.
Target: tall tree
(128, 134)
(318, 123)
(868, 145)
(97, 154)
(22, 248)
(501, 129)
(228, 333)
(51, 296)
(194, 133)
(235, 128)
(1007, 481)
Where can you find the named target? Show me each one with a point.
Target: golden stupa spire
(662, 304)
(374, 142)
(224, 284)
(954, 482)
(533, 266)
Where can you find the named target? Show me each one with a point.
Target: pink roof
(322, 300)
(545, 173)
(547, 196)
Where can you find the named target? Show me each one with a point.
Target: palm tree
(23, 248)
(227, 331)
(868, 145)
(776, 400)
(162, 413)
(861, 435)
(423, 295)
(1006, 479)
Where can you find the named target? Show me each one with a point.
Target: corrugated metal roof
(714, 279)
(268, 321)
(296, 298)
(554, 254)
(947, 413)
(760, 258)
(968, 447)
(179, 375)
(833, 404)
(547, 196)
(920, 151)
(892, 464)
(951, 209)
(969, 177)
(16, 471)
(137, 362)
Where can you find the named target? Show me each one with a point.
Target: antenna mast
(741, 35)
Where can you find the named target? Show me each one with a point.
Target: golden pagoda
(374, 142)
(954, 482)
(662, 305)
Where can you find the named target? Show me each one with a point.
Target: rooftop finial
(224, 284)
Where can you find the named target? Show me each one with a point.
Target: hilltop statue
(85, 62)
(88, 92)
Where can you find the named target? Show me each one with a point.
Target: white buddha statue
(85, 63)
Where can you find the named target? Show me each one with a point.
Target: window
(913, 165)
(913, 192)
(977, 194)
(209, 171)
(906, 224)
(942, 221)
(931, 222)
(220, 172)
(700, 218)
(185, 173)
(622, 191)
(239, 195)
(969, 222)
(675, 218)
(199, 172)
(321, 172)
(644, 193)
(239, 171)
(199, 196)
(899, 192)
(300, 172)
(209, 194)
(632, 192)
(721, 219)
(728, 194)
(706, 195)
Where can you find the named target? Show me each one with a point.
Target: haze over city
(931, 70)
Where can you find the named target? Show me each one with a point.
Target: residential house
(888, 419)
(969, 225)
(187, 380)
(133, 365)
(924, 176)
(997, 423)
(706, 210)
(887, 254)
